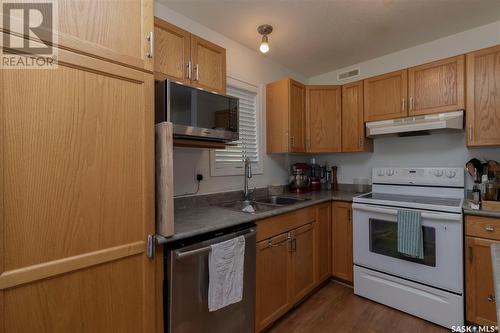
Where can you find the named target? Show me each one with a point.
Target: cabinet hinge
(150, 250)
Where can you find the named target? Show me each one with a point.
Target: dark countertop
(198, 220)
(479, 212)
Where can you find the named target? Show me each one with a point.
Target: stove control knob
(438, 173)
(390, 172)
(451, 173)
(380, 172)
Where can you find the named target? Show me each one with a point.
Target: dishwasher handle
(179, 255)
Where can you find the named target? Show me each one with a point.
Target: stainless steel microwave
(195, 113)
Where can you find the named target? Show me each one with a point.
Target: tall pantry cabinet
(77, 178)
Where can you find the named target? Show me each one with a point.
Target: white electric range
(432, 287)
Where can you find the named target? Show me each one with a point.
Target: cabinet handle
(471, 134)
(403, 105)
(360, 142)
(489, 228)
(196, 72)
(188, 74)
(149, 38)
(470, 254)
(270, 243)
(491, 298)
(291, 141)
(411, 104)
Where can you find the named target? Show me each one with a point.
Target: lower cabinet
(293, 257)
(342, 241)
(481, 233)
(302, 262)
(272, 284)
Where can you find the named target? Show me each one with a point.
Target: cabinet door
(209, 65)
(277, 116)
(113, 30)
(302, 263)
(297, 118)
(353, 126)
(479, 286)
(342, 241)
(322, 243)
(323, 119)
(272, 284)
(483, 97)
(385, 96)
(172, 52)
(437, 87)
(77, 195)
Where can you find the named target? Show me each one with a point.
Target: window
(229, 161)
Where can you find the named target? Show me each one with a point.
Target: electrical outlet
(199, 177)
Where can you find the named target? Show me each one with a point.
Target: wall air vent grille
(348, 74)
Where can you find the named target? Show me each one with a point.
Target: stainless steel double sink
(263, 204)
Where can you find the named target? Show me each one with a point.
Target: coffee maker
(317, 173)
(299, 181)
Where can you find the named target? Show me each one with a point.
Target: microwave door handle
(425, 215)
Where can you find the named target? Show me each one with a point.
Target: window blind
(248, 144)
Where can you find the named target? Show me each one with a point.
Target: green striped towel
(410, 237)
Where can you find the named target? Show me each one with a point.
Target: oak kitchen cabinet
(290, 248)
(342, 241)
(187, 58)
(323, 242)
(425, 89)
(353, 126)
(286, 114)
(483, 97)
(323, 119)
(73, 255)
(480, 232)
(385, 96)
(436, 87)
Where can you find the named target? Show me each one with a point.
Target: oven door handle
(425, 215)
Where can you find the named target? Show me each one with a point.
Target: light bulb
(264, 47)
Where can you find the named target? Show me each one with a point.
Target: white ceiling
(316, 36)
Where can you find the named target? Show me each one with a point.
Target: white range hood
(417, 125)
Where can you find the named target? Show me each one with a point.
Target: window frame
(257, 168)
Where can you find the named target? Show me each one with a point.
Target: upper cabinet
(173, 52)
(436, 87)
(385, 96)
(430, 88)
(353, 126)
(209, 65)
(323, 119)
(483, 97)
(186, 58)
(303, 118)
(120, 31)
(285, 113)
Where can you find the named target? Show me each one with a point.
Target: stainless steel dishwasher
(186, 288)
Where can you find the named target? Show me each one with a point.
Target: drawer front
(483, 227)
(283, 223)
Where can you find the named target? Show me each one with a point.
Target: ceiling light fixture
(264, 30)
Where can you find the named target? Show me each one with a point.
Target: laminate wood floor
(335, 308)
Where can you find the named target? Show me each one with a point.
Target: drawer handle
(491, 298)
(270, 243)
(489, 228)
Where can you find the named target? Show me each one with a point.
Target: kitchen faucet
(248, 174)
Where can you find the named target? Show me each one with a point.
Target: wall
(434, 150)
(470, 40)
(244, 64)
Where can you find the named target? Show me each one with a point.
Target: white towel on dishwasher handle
(225, 270)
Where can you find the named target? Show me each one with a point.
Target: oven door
(375, 246)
